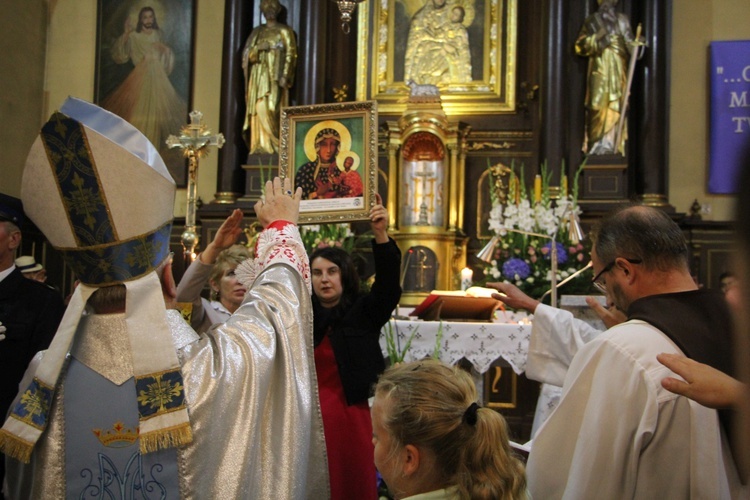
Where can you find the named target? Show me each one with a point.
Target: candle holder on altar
(194, 140)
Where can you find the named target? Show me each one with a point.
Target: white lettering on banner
(746, 73)
(739, 120)
(739, 100)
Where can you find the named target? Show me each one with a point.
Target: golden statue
(437, 49)
(606, 39)
(268, 62)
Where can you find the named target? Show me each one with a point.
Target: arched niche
(426, 162)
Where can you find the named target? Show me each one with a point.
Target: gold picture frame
(384, 43)
(343, 131)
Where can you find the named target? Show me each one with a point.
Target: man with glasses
(617, 432)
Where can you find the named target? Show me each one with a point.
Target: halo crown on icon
(346, 137)
(343, 155)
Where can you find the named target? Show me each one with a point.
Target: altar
(494, 352)
(480, 343)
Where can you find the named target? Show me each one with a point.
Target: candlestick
(564, 187)
(537, 188)
(466, 277)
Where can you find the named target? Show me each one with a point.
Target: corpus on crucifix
(194, 140)
(427, 177)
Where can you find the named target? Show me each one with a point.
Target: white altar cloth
(480, 343)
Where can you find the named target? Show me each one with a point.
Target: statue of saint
(437, 49)
(606, 39)
(268, 62)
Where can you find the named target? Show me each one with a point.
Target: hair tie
(470, 415)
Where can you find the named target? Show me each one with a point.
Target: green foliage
(396, 355)
(438, 341)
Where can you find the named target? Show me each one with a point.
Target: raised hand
(379, 220)
(279, 203)
(513, 297)
(225, 237)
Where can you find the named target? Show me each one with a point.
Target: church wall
(22, 53)
(695, 25)
(71, 68)
(29, 96)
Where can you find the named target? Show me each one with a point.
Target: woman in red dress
(348, 358)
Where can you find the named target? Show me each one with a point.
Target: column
(650, 113)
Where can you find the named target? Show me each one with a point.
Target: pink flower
(545, 250)
(579, 247)
(532, 259)
(532, 251)
(571, 250)
(579, 257)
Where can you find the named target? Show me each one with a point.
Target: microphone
(580, 271)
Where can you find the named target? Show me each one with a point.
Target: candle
(466, 277)
(537, 189)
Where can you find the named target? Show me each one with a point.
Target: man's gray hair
(640, 232)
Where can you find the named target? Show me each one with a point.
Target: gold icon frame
(383, 26)
(360, 120)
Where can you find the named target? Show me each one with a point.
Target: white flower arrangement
(525, 260)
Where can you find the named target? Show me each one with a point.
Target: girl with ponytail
(431, 436)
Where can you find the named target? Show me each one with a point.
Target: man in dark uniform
(29, 311)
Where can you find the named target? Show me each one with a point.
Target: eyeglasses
(603, 287)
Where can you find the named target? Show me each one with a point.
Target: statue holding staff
(606, 39)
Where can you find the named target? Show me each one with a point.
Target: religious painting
(144, 69)
(330, 151)
(465, 48)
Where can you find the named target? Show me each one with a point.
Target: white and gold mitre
(100, 193)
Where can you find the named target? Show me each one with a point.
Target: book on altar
(474, 304)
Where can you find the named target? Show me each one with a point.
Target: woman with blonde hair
(433, 441)
(216, 264)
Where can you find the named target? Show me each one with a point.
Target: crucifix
(194, 140)
(423, 268)
(425, 174)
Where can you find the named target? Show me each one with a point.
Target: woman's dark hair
(348, 270)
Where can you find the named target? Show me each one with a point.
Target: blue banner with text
(730, 113)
